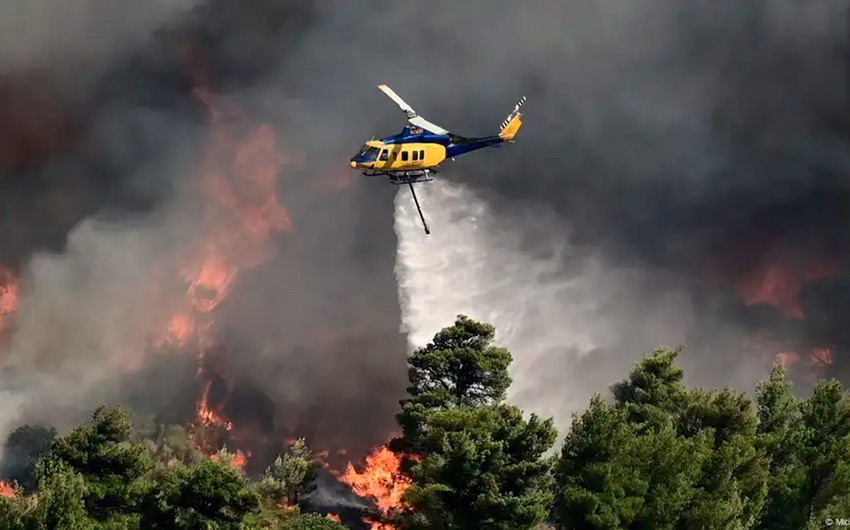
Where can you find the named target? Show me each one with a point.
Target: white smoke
(84, 319)
(555, 312)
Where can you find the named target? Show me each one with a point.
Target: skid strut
(418, 208)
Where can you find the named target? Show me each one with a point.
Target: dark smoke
(687, 145)
(95, 197)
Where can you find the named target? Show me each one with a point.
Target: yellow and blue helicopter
(414, 154)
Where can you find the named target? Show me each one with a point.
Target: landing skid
(400, 178)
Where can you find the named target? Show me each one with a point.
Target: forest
(648, 453)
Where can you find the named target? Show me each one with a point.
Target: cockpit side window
(383, 155)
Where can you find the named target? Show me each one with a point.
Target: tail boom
(460, 145)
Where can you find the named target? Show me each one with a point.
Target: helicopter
(414, 154)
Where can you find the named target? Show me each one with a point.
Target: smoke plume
(680, 177)
(47, 33)
(179, 221)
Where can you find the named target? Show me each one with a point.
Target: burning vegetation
(6, 490)
(273, 450)
(8, 295)
(381, 480)
(239, 221)
(465, 456)
(240, 213)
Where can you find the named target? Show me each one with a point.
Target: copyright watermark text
(838, 521)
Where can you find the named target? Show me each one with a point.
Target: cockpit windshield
(368, 153)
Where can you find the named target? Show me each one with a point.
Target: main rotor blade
(419, 121)
(398, 101)
(412, 116)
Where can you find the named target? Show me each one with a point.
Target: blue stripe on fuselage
(455, 145)
(421, 136)
(441, 139)
(458, 149)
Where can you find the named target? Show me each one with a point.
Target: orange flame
(811, 365)
(284, 505)
(779, 286)
(821, 356)
(6, 490)
(208, 285)
(334, 517)
(238, 180)
(207, 416)
(788, 358)
(180, 329)
(239, 459)
(817, 357)
(8, 294)
(380, 480)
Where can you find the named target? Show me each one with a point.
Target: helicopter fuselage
(415, 149)
(413, 155)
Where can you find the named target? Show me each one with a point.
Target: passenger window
(404, 156)
(422, 154)
(415, 156)
(384, 155)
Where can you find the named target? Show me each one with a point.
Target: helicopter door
(384, 155)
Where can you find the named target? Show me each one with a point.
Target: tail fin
(512, 123)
